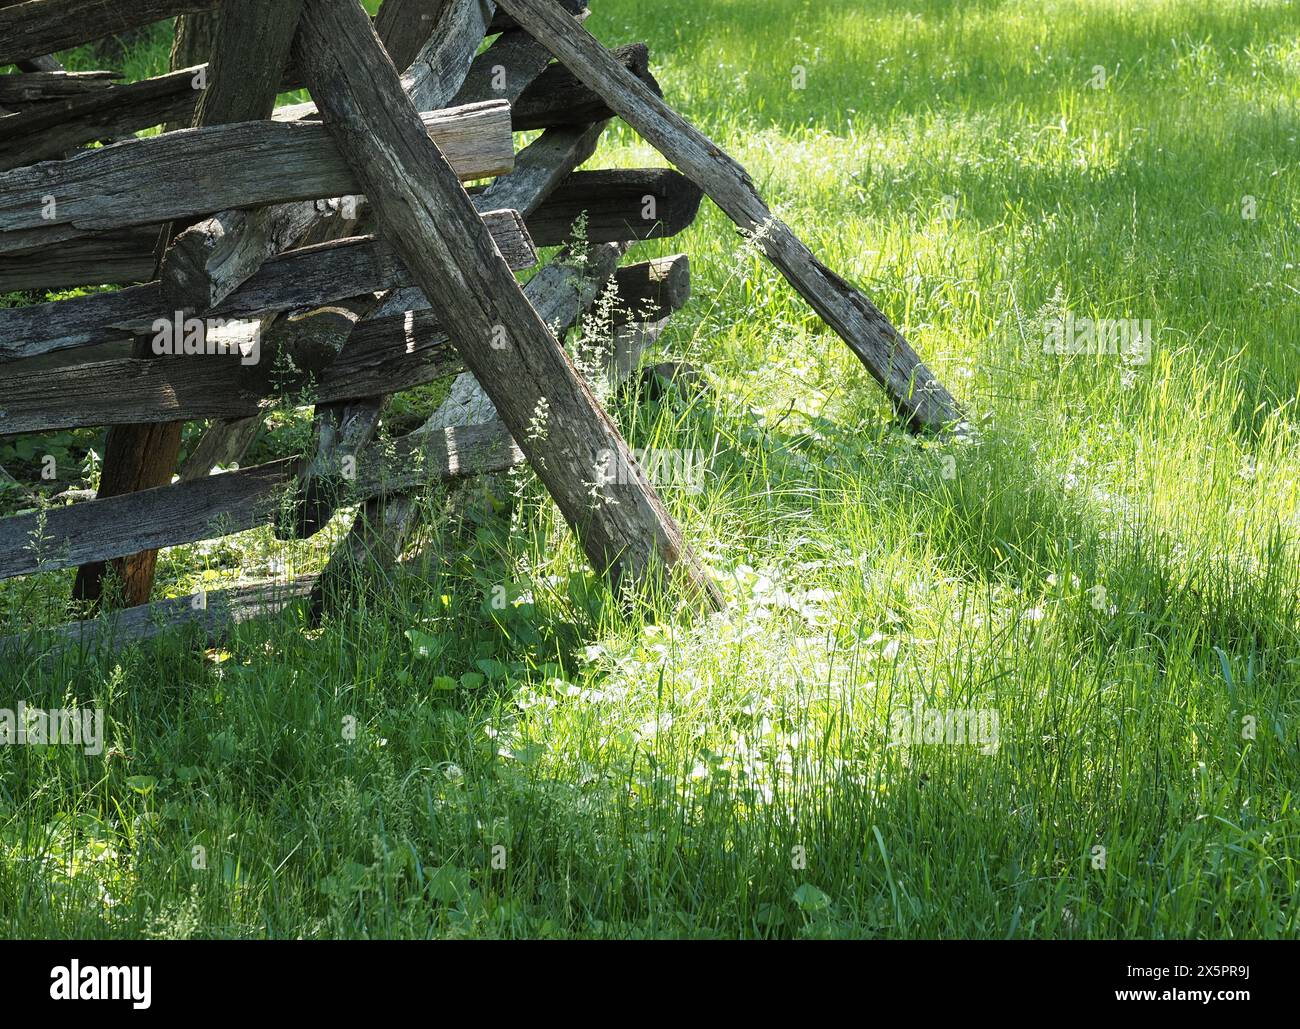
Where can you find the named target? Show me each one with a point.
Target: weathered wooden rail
(337, 244)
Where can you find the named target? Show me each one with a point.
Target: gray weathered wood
(223, 443)
(400, 346)
(613, 201)
(629, 343)
(439, 69)
(46, 26)
(210, 261)
(213, 258)
(248, 57)
(48, 131)
(128, 391)
(341, 427)
(207, 258)
(502, 22)
(622, 204)
(186, 512)
(246, 45)
(216, 613)
(505, 69)
(341, 432)
(27, 332)
(557, 97)
(426, 215)
(502, 72)
(405, 25)
(396, 351)
(538, 169)
(304, 278)
(44, 86)
(121, 256)
(313, 339)
(194, 37)
(382, 528)
(652, 290)
(909, 384)
(541, 166)
(560, 293)
(103, 529)
(187, 173)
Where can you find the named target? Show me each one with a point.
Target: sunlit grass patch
(487, 743)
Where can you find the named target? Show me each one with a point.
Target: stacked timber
(279, 257)
(352, 247)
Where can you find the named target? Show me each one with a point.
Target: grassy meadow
(1102, 576)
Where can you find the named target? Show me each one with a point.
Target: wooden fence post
(911, 387)
(249, 54)
(430, 221)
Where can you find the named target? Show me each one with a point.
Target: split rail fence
(353, 247)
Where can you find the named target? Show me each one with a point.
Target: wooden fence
(337, 239)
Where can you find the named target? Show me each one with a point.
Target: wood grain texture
(248, 58)
(50, 130)
(44, 26)
(206, 259)
(426, 215)
(505, 69)
(621, 204)
(120, 256)
(561, 292)
(214, 613)
(650, 291)
(558, 97)
(404, 26)
(541, 166)
(399, 346)
(46, 86)
(192, 172)
(222, 444)
(340, 432)
(339, 429)
(304, 278)
(400, 322)
(218, 505)
(439, 68)
(383, 527)
(216, 256)
(502, 22)
(913, 389)
(207, 263)
(211, 260)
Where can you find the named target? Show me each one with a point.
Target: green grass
(1110, 564)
